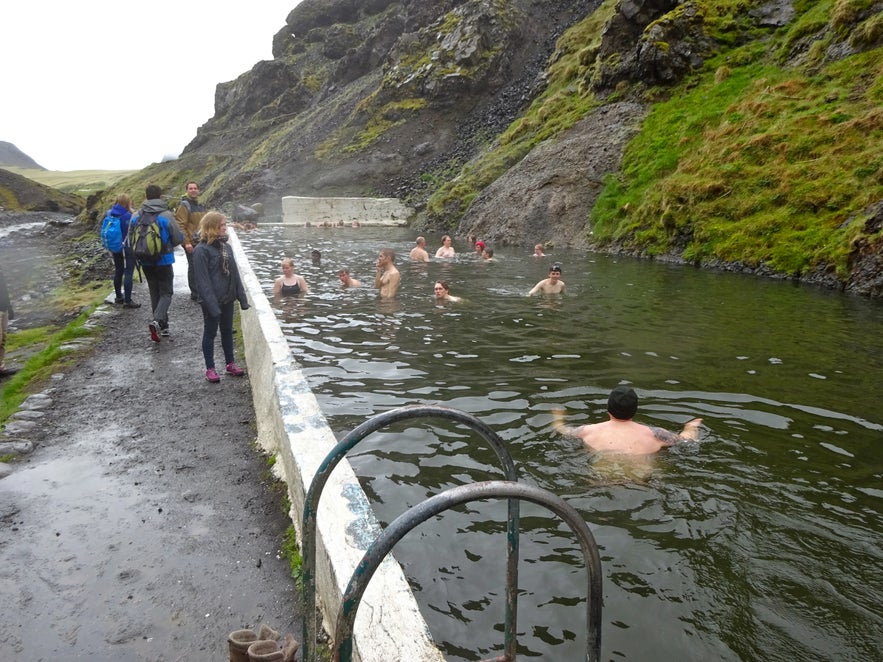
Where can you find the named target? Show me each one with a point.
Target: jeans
(160, 282)
(191, 283)
(210, 331)
(124, 267)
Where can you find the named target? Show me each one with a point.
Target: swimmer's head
(622, 403)
(555, 268)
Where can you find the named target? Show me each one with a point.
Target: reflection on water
(759, 541)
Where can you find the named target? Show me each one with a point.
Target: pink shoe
(212, 376)
(235, 370)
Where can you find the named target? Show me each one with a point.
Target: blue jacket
(169, 230)
(124, 215)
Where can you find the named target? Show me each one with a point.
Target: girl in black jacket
(218, 285)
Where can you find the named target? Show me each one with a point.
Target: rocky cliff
(517, 120)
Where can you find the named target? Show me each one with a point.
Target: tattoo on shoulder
(665, 436)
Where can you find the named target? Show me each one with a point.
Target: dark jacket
(5, 303)
(169, 230)
(215, 284)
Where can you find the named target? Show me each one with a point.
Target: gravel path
(144, 524)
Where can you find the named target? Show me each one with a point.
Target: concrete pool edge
(292, 427)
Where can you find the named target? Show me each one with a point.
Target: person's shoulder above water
(551, 285)
(620, 434)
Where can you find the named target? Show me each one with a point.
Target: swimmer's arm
(665, 437)
(690, 432)
(559, 426)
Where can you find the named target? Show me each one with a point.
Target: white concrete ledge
(301, 210)
(291, 426)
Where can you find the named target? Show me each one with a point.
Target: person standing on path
(219, 285)
(124, 259)
(188, 215)
(6, 314)
(159, 273)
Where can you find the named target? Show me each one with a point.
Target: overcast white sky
(117, 85)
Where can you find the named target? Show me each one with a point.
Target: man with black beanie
(620, 434)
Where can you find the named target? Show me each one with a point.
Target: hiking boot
(154, 331)
(212, 376)
(119, 299)
(131, 304)
(235, 370)
(165, 333)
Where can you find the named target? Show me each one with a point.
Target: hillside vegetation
(749, 131)
(754, 162)
(79, 182)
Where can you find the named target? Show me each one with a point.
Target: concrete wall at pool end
(301, 210)
(291, 425)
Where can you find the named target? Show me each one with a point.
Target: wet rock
(27, 415)
(5, 470)
(37, 401)
(16, 447)
(19, 427)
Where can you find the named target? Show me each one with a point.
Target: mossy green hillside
(755, 164)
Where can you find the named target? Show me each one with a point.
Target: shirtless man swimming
(621, 434)
(551, 285)
(418, 253)
(388, 277)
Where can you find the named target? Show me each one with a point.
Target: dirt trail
(145, 524)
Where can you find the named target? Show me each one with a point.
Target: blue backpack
(111, 234)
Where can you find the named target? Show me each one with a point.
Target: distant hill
(10, 155)
(19, 193)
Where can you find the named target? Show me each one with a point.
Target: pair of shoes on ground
(232, 369)
(121, 300)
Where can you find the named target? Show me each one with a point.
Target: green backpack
(145, 237)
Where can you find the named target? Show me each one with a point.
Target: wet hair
(555, 267)
(444, 284)
(152, 192)
(210, 226)
(489, 251)
(388, 252)
(287, 260)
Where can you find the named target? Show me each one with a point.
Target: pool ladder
(509, 489)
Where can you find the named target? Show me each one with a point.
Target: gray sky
(97, 84)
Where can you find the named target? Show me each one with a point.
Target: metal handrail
(311, 503)
(404, 523)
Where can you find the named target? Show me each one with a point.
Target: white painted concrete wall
(298, 210)
(389, 625)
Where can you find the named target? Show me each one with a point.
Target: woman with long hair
(218, 286)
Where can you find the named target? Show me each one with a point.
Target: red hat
(479, 243)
